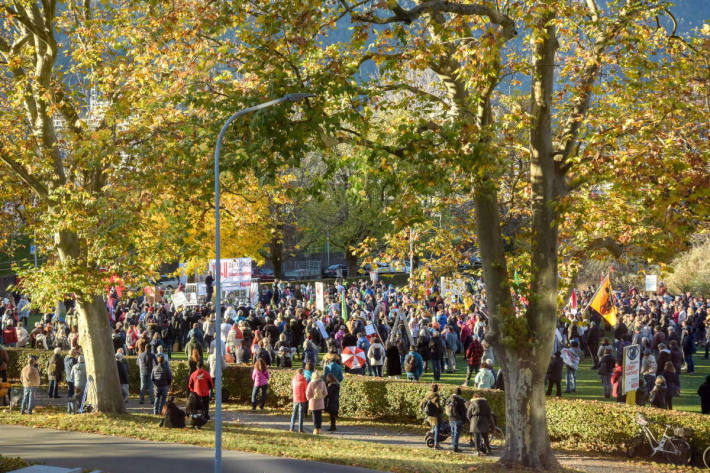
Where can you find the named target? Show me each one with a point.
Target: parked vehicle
(332, 271)
(264, 274)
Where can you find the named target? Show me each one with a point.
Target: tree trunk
(527, 442)
(351, 262)
(97, 347)
(276, 249)
(95, 340)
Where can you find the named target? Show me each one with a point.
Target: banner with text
(235, 273)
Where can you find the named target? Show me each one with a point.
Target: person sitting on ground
(174, 416)
(195, 411)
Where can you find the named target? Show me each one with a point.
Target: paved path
(119, 455)
(235, 461)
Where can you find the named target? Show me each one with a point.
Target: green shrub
(609, 426)
(11, 464)
(361, 396)
(591, 425)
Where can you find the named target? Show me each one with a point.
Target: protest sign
(179, 299)
(632, 368)
(320, 296)
(651, 282)
(321, 327)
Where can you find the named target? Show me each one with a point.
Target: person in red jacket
(474, 353)
(201, 384)
(300, 403)
(616, 380)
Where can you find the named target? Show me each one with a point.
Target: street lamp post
(218, 309)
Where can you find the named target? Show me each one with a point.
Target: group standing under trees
(609, 88)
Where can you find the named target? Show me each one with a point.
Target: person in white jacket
(376, 355)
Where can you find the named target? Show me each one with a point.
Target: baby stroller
(444, 433)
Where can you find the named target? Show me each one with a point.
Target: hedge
(610, 426)
(361, 396)
(589, 425)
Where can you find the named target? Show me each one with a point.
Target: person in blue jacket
(413, 365)
(332, 366)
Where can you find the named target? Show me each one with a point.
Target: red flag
(573, 299)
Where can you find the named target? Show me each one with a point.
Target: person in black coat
(392, 360)
(332, 401)
(481, 422)
(670, 374)
(195, 411)
(658, 394)
(554, 374)
(174, 416)
(593, 335)
(704, 393)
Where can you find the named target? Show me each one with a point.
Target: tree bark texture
(95, 341)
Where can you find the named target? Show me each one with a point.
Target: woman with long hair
(260, 376)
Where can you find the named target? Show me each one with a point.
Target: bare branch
(401, 15)
(414, 90)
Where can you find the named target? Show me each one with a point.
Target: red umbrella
(353, 357)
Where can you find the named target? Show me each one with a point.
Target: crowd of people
(399, 337)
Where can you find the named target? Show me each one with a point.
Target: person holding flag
(603, 302)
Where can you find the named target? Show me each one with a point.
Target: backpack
(319, 392)
(410, 364)
(377, 353)
(449, 408)
(430, 409)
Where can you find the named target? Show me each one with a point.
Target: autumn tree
(482, 126)
(96, 149)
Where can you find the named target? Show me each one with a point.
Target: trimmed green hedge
(361, 396)
(610, 426)
(586, 425)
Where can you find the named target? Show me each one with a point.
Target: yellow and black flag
(603, 302)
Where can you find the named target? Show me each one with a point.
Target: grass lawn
(394, 458)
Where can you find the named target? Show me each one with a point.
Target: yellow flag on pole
(603, 302)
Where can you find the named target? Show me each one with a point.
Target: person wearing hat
(122, 366)
(30, 383)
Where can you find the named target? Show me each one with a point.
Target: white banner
(179, 299)
(452, 287)
(321, 327)
(235, 272)
(373, 276)
(369, 329)
(651, 282)
(320, 296)
(632, 368)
